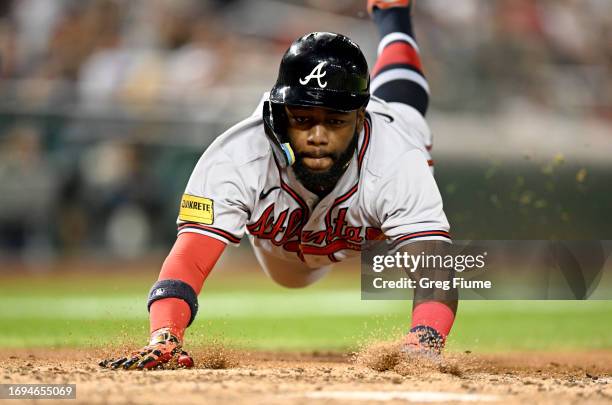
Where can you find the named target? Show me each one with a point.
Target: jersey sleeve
(215, 202)
(408, 203)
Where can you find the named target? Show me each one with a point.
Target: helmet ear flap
(275, 125)
(279, 121)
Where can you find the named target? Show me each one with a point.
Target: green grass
(252, 312)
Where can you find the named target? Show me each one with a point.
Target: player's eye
(336, 122)
(301, 120)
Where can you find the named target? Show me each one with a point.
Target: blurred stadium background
(105, 106)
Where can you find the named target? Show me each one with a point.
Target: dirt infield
(329, 378)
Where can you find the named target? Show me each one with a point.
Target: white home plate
(411, 396)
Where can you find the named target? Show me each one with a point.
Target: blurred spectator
(7, 47)
(180, 63)
(28, 191)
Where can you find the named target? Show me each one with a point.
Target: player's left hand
(163, 347)
(423, 340)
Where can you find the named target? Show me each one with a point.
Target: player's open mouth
(318, 163)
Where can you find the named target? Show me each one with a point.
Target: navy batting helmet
(320, 69)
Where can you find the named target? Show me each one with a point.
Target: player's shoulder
(243, 143)
(396, 129)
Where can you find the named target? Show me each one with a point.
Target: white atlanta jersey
(388, 191)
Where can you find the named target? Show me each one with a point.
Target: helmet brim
(343, 101)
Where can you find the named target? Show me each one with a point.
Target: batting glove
(424, 340)
(163, 347)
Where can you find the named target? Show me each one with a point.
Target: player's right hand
(162, 347)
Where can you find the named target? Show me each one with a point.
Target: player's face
(319, 137)
(324, 142)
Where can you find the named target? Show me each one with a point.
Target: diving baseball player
(328, 161)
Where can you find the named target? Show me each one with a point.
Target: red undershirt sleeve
(191, 260)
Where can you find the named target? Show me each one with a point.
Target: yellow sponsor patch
(196, 209)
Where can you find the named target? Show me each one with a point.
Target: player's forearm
(187, 266)
(448, 297)
(432, 307)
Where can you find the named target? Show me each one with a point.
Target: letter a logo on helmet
(316, 74)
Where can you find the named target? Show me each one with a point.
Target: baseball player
(328, 161)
